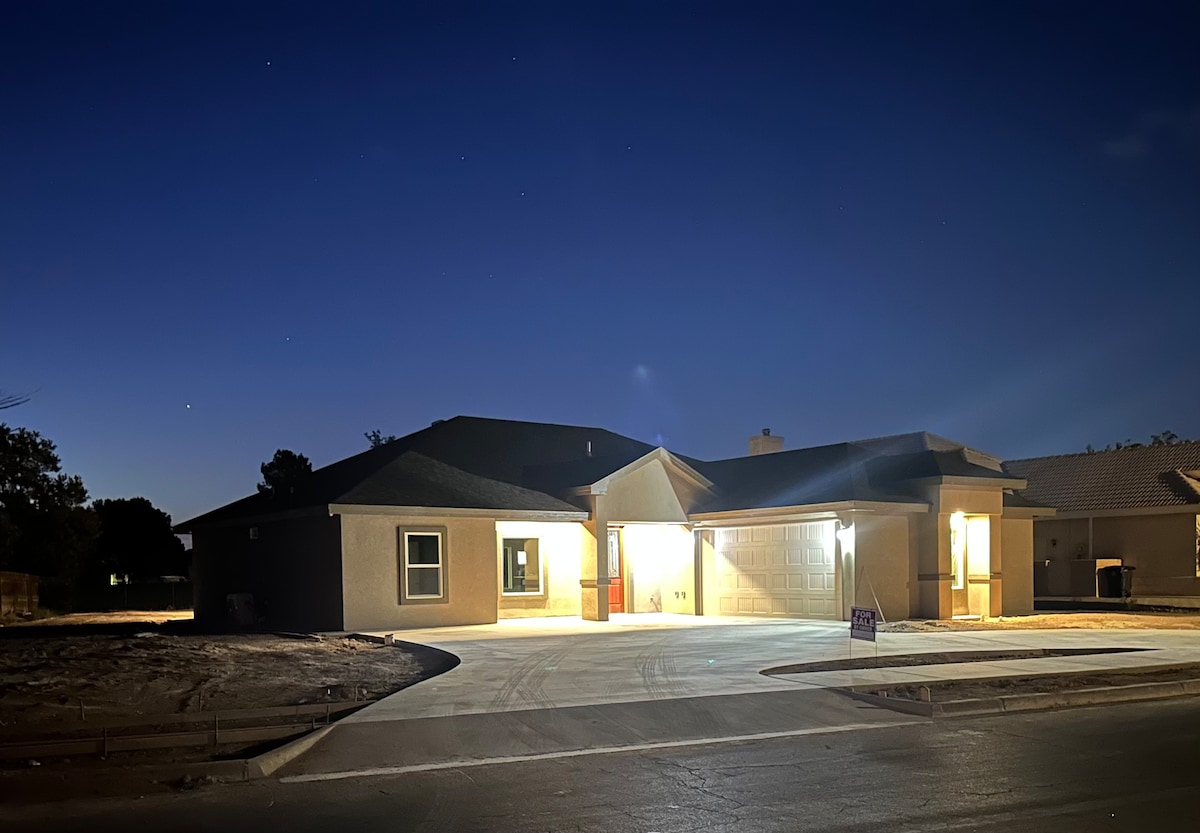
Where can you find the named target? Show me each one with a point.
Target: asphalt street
(1133, 767)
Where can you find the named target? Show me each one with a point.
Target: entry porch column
(593, 574)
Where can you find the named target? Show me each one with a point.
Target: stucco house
(472, 520)
(1137, 507)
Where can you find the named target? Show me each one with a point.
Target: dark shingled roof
(557, 478)
(825, 474)
(931, 464)
(919, 441)
(496, 449)
(477, 463)
(413, 479)
(1127, 478)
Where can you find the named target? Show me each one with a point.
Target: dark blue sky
(685, 221)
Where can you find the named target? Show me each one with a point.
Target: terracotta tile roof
(1127, 478)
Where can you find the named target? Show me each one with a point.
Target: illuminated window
(522, 567)
(958, 550)
(423, 566)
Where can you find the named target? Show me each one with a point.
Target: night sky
(230, 228)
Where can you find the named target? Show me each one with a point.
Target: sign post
(862, 626)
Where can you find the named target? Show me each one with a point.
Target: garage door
(777, 571)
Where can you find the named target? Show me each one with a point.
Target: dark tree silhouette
(377, 438)
(136, 540)
(45, 528)
(1167, 437)
(285, 471)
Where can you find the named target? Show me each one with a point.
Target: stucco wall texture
(371, 558)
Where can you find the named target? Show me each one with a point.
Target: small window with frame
(521, 568)
(423, 560)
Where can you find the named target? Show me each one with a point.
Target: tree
(377, 438)
(135, 539)
(1167, 437)
(284, 473)
(45, 528)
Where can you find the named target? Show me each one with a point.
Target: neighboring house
(472, 520)
(1138, 507)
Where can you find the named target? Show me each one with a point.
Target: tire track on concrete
(523, 686)
(659, 674)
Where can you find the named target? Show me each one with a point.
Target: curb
(266, 764)
(1041, 701)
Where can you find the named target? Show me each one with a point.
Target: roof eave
(458, 512)
(1127, 512)
(600, 487)
(187, 527)
(1016, 483)
(831, 509)
(1028, 512)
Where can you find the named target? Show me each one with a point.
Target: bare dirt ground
(119, 617)
(56, 682)
(1103, 620)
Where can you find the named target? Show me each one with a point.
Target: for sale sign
(862, 623)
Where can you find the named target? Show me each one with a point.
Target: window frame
(443, 595)
(541, 571)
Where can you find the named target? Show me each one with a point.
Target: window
(423, 565)
(958, 551)
(521, 567)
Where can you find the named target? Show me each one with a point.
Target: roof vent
(589, 448)
(765, 443)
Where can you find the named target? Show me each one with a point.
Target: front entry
(970, 564)
(616, 585)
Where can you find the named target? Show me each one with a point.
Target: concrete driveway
(555, 662)
(556, 687)
(563, 661)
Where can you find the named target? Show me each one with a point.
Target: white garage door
(777, 571)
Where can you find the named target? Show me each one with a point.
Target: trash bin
(1108, 582)
(1127, 582)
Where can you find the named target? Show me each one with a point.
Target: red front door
(616, 585)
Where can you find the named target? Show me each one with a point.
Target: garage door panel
(787, 571)
(751, 581)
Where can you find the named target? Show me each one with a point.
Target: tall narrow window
(521, 567)
(958, 551)
(423, 565)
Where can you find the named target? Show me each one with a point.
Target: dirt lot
(120, 617)
(1041, 621)
(51, 682)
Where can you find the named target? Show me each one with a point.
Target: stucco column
(995, 550)
(933, 566)
(593, 575)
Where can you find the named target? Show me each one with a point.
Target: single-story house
(472, 520)
(1135, 507)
